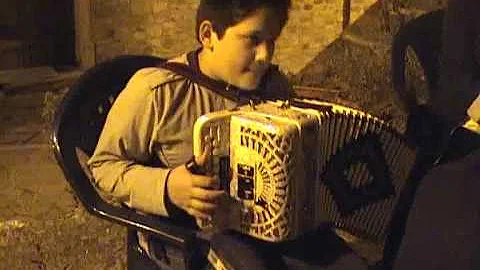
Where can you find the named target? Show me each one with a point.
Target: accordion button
(247, 215)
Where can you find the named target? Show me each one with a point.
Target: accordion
(290, 166)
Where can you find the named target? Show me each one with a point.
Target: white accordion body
(269, 158)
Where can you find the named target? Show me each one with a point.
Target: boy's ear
(206, 34)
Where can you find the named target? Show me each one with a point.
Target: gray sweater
(153, 118)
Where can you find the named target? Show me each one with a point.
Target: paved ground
(42, 226)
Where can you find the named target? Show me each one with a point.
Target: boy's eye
(254, 39)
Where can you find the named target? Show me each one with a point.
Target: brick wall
(166, 27)
(163, 28)
(313, 47)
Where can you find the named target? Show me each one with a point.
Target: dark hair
(226, 13)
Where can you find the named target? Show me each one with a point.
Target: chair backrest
(424, 36)
(77, 125)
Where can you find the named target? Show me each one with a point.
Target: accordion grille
(364, 165)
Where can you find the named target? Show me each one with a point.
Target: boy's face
(242, 56)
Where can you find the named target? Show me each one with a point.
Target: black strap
(193, 73)
(217, 87)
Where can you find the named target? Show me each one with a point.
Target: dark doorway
(37, 33)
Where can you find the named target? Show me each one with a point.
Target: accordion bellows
(292, 166)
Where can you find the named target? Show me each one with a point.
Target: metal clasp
(285, 104)
(252, 104)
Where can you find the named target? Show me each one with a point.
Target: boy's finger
(207, 195)
(198, 214)
(202, 206)
(207, 152)
(205, 182)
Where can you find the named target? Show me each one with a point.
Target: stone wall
(313, 48)
(357, 62)
(163, 28)
(166, 28)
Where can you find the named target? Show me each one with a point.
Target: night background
(329, 50)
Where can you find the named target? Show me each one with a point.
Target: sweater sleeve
(119, 163)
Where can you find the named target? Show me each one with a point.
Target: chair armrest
(164, 228)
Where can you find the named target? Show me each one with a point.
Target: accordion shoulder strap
(223, 89)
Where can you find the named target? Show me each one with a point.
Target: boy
(153, 117)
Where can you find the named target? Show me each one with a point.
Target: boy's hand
(196, 194)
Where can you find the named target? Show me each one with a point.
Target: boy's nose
(264, 51)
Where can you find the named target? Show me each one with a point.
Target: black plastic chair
(428, 132)
(77, 125)
(423, 35)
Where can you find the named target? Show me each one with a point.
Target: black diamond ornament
(367, 150)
